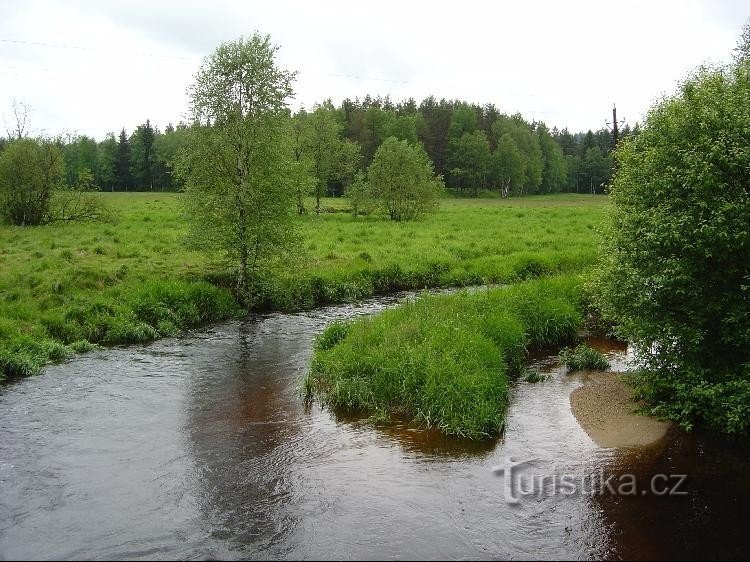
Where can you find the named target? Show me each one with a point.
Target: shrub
(401, 177)
(674, 275)
(30, 172)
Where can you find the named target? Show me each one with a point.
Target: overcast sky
(86, 66)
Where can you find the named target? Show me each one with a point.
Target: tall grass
(133, 281)
(444, 361)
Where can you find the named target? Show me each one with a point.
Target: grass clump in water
(444, 361)
(533, 376)
(583, 357)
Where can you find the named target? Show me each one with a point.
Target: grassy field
(66, 286)
(445, 361)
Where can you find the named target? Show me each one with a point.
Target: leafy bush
(30, 172)
(402, 178)
(674, 275)
(583, 357)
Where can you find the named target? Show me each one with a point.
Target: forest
(473, 147)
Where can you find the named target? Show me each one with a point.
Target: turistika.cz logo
(520, 482)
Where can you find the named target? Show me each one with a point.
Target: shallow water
(200, 447)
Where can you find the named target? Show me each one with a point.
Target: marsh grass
(533, 376)
(583, 357)
(444, 361)
(134, 280)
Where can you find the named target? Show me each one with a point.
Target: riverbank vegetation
(675, 273)
(64, 283)
(445, 361)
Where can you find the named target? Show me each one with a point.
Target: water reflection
(708, 523)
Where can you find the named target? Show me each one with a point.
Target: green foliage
(508, 165)
(361, 196)
(123, 177)
(525, 145)
(674, 275)
(470, 159)
(444, 361)
(237, 165)
(597, 168)
(330, 158)
(332, 335)
(583, 357)
(30, 172)
(402, 178)
(554, 171)
(143, 156)
(107, 160)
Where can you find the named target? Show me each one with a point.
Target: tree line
(472, 147)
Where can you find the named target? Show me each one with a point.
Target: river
(200, 447)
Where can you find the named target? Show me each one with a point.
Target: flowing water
(200, 447)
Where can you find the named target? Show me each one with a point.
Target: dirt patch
(604, 409)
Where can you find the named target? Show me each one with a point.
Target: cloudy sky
(89, 67)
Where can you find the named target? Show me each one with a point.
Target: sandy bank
(603, 408)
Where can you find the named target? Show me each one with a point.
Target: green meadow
(66, 287)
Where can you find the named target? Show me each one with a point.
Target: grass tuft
(583, 357)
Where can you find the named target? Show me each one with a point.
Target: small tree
(361, 196)
(507, 165)
(237, 164)
(30, 172)
(331, 158)
(302, 184)
(402, 178)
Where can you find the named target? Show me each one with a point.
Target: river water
(201, 447)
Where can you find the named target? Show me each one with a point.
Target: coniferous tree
(122, 169)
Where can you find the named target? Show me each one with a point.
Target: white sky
(562, 62)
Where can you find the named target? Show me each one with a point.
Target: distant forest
(474, 147)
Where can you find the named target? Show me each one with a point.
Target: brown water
(200, 447)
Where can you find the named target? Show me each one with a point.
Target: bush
(583, 357)
(674, 275)
(401, 177)
(30, 172)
